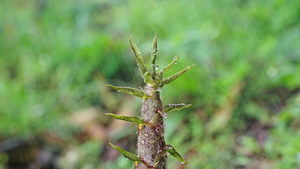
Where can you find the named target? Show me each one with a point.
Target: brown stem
(151, 142)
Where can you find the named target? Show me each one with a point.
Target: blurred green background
(56, 57)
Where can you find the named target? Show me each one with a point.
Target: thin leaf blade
(127, 154)
(153, 56)
(175, 154)
(129, 90)
(165, 69)
(174, 107)
(145, 72)
(175, 76)
(131, 119)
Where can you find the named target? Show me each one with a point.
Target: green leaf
(127, 154)
(132, 119)
(165, 69)
(174, 107)
(145, 72)
(129, 90)
(175, 154)
(175, 76)
(153, 56)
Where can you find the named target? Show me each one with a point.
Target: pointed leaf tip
(129, 90)
(174, 107)
(169, 66)
(175, 76)
(127, 154)
(175, 154)
(153, 57)
(145, 72)
(132, 119)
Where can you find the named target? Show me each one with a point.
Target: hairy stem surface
(151, 143)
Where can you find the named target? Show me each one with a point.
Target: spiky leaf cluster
(153, 80)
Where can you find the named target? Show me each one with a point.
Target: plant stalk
(151, 142)
(152, 149)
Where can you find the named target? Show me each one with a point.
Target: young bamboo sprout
(152, 149)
